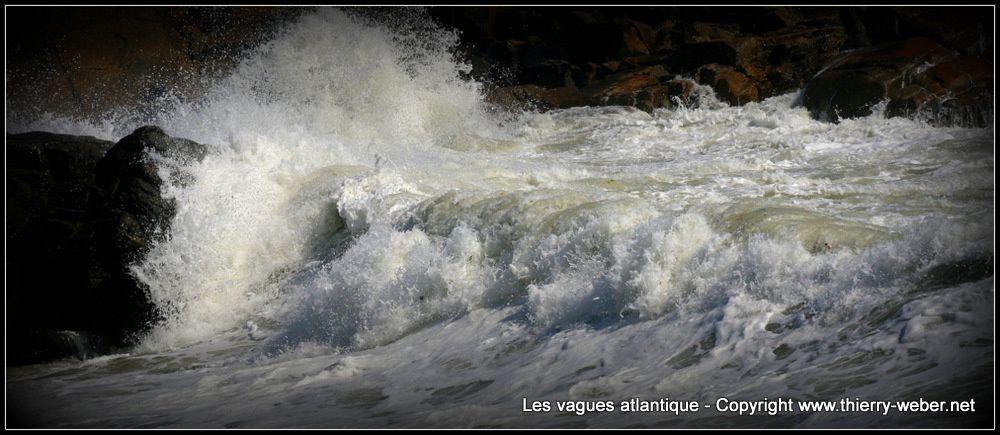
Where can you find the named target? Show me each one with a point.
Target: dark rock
(493, 62)
(648, 89)
(639, 38)
(80, 212)
(706, 32)
(842, 94)
(133, 215)
(33, 346)
(50, 235)
(854, 28)
(784, 60)
(537, 51)
(594, 38)
(916, 76)
(763, 20)
(554, 73)
(968, 30)
(532, 97)
(689, 57)
(953, 92)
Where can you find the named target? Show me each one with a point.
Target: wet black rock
(130, 208)
(50, 236)
(80, 212)
(838, 95)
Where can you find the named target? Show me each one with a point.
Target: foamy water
(369, 244)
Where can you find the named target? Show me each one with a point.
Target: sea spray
(331, 90)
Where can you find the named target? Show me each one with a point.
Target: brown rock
(704, 32)
(646, 32)
(784, 60)
(953, 92)
(730, 85)
(647, 89)
(634, 43)
(532, 97)
(639, 38)
(681, 90)
(642, 89)
(916, 76)
(962, 74)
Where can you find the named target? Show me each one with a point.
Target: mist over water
(368, 243)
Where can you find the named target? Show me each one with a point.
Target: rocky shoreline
(82, 210)
(933, 62)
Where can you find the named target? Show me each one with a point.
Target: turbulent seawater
(370, 244)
